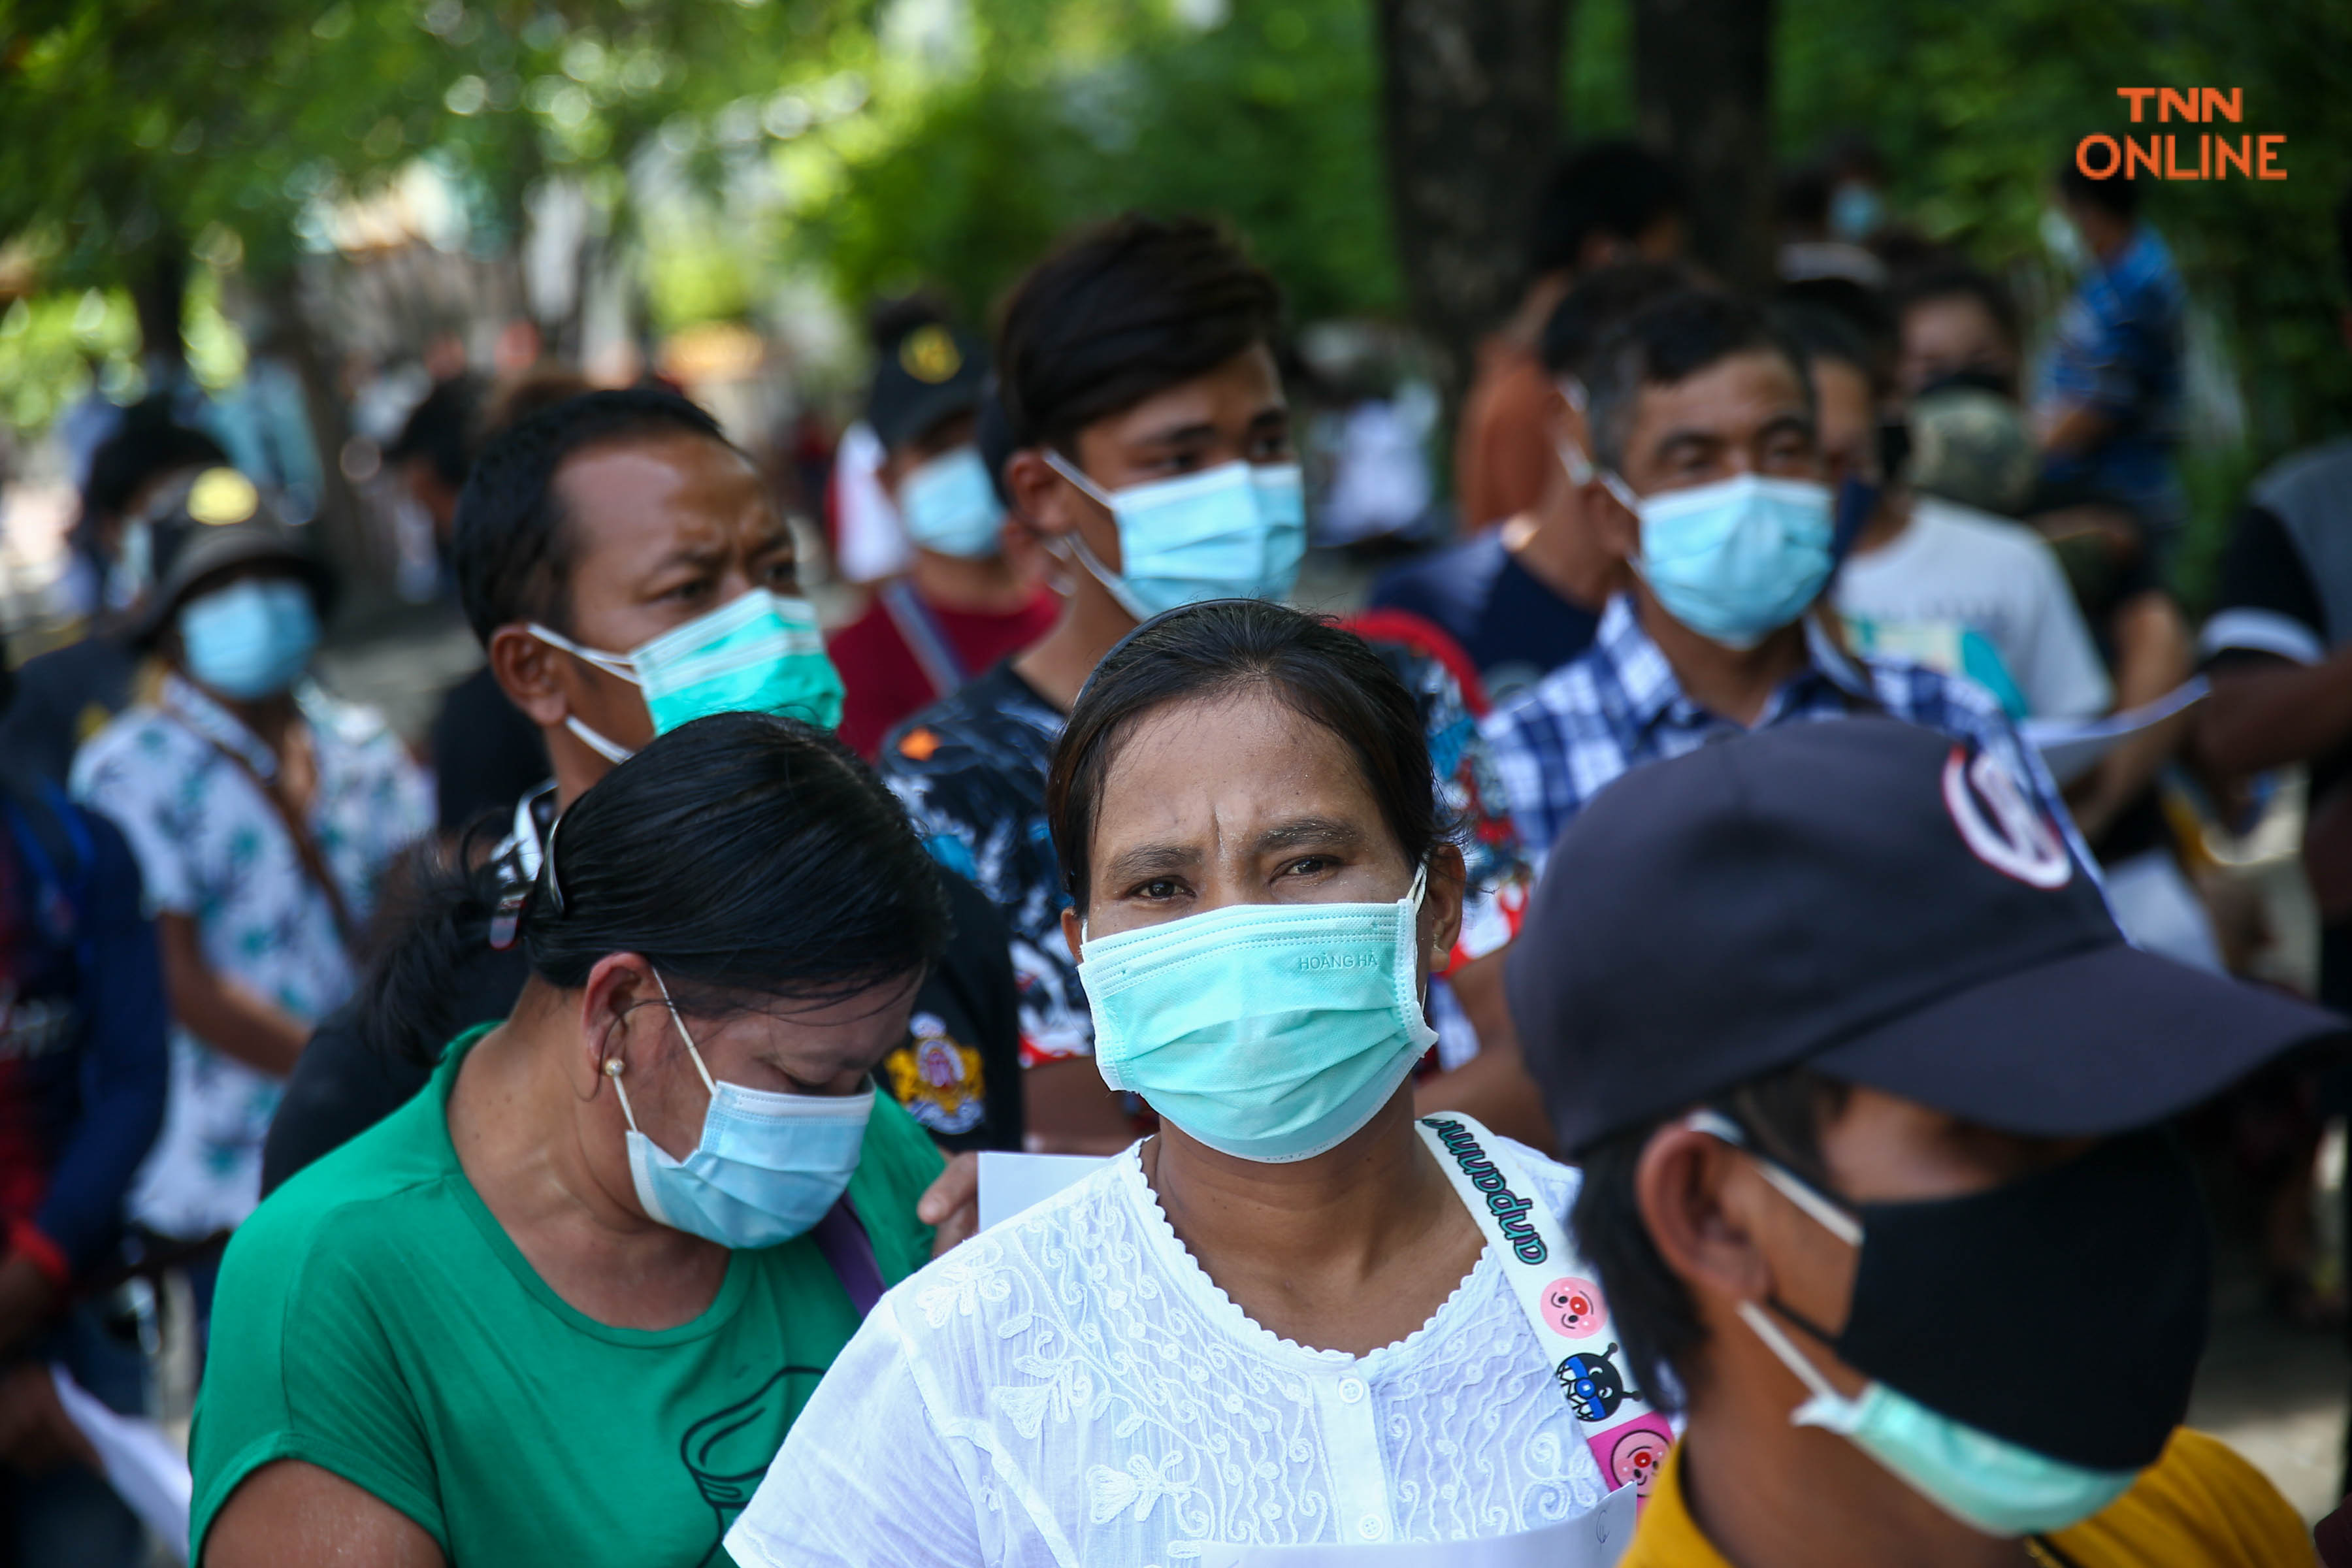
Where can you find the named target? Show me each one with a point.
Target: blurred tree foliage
(899, 143)
(1067, 110)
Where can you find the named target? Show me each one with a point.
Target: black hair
(1320, 670)
(2116, 195)
(1666, 343)
(751, 859)
(1121, 311)
(1954, 278)
(1826, 334)
(149, 443)
(444, 428)
(992, 436)
(1650, 1308)
(1800, 196)
(509, 545)
(1599, 302)
(1616, 189)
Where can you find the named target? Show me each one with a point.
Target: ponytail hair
(751, 859)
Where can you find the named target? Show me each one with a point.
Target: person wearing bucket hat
(264, 817)
(1869, 1093)
(965, 602)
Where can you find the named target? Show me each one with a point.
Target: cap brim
(197, 564)
(2096, 1043)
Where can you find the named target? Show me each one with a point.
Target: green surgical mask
(758, 653)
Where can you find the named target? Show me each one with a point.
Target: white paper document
(2070, 746)
(145, 1468)
(1011, 1183)
(1594, 1540)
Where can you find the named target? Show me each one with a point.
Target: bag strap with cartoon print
(1554, 1288)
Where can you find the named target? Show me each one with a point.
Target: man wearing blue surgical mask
(1150, 449)
(967, 600)
(628, 570)
(1704, 436)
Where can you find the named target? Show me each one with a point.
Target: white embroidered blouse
(1069, 1388)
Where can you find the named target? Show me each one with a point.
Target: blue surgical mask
(1986, 1482)
(948, 505)
(251, 639)
(1855, 210)
(1235, 532)
(758, 653)
(767, 1167)
(1737, 560)
(1270, 1032)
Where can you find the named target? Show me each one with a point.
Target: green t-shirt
(375, 1320)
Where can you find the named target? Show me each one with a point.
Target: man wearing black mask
(1879, 1186)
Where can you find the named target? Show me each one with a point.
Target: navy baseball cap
(930, 373)
(1877, 901)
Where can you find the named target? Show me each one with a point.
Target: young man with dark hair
(602, 545)
(1602, 205)
(1150, 449)
(2110, 402)
(1869, 1094)
(1706, 432)
(1524, 599)
(963, 604)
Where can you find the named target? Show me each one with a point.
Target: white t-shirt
(1069, 1388)
(1955, 563)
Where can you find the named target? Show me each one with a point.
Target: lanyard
(1554, 1286)
(925, 638)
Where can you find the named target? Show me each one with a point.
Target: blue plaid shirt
(1618, 705)
(2118, 351)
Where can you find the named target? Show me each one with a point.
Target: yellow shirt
(2200, 1506)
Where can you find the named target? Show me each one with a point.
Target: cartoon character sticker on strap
(1629, 1440)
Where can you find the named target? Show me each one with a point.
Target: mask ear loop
(691, 1049)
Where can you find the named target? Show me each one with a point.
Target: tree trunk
(158, 299)
(1703, 85)
(1470, 122)
(359, 560)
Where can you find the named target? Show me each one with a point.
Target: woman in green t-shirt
(563, 1306)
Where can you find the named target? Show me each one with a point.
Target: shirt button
(1352, 1390)
(1374, 1526)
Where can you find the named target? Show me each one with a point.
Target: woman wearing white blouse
(1278, 1322)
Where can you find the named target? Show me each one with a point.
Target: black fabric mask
(2064, 1311)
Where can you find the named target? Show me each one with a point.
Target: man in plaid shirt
(1702, 421)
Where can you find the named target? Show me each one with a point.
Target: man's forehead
(1730, 396)
(660, 493)
(1243, 387)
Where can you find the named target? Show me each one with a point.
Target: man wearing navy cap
(1869, 1091)
(964, 603)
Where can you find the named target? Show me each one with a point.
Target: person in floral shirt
(264, 818)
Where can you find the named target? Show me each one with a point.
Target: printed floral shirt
(211, 846)
(971, 771)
